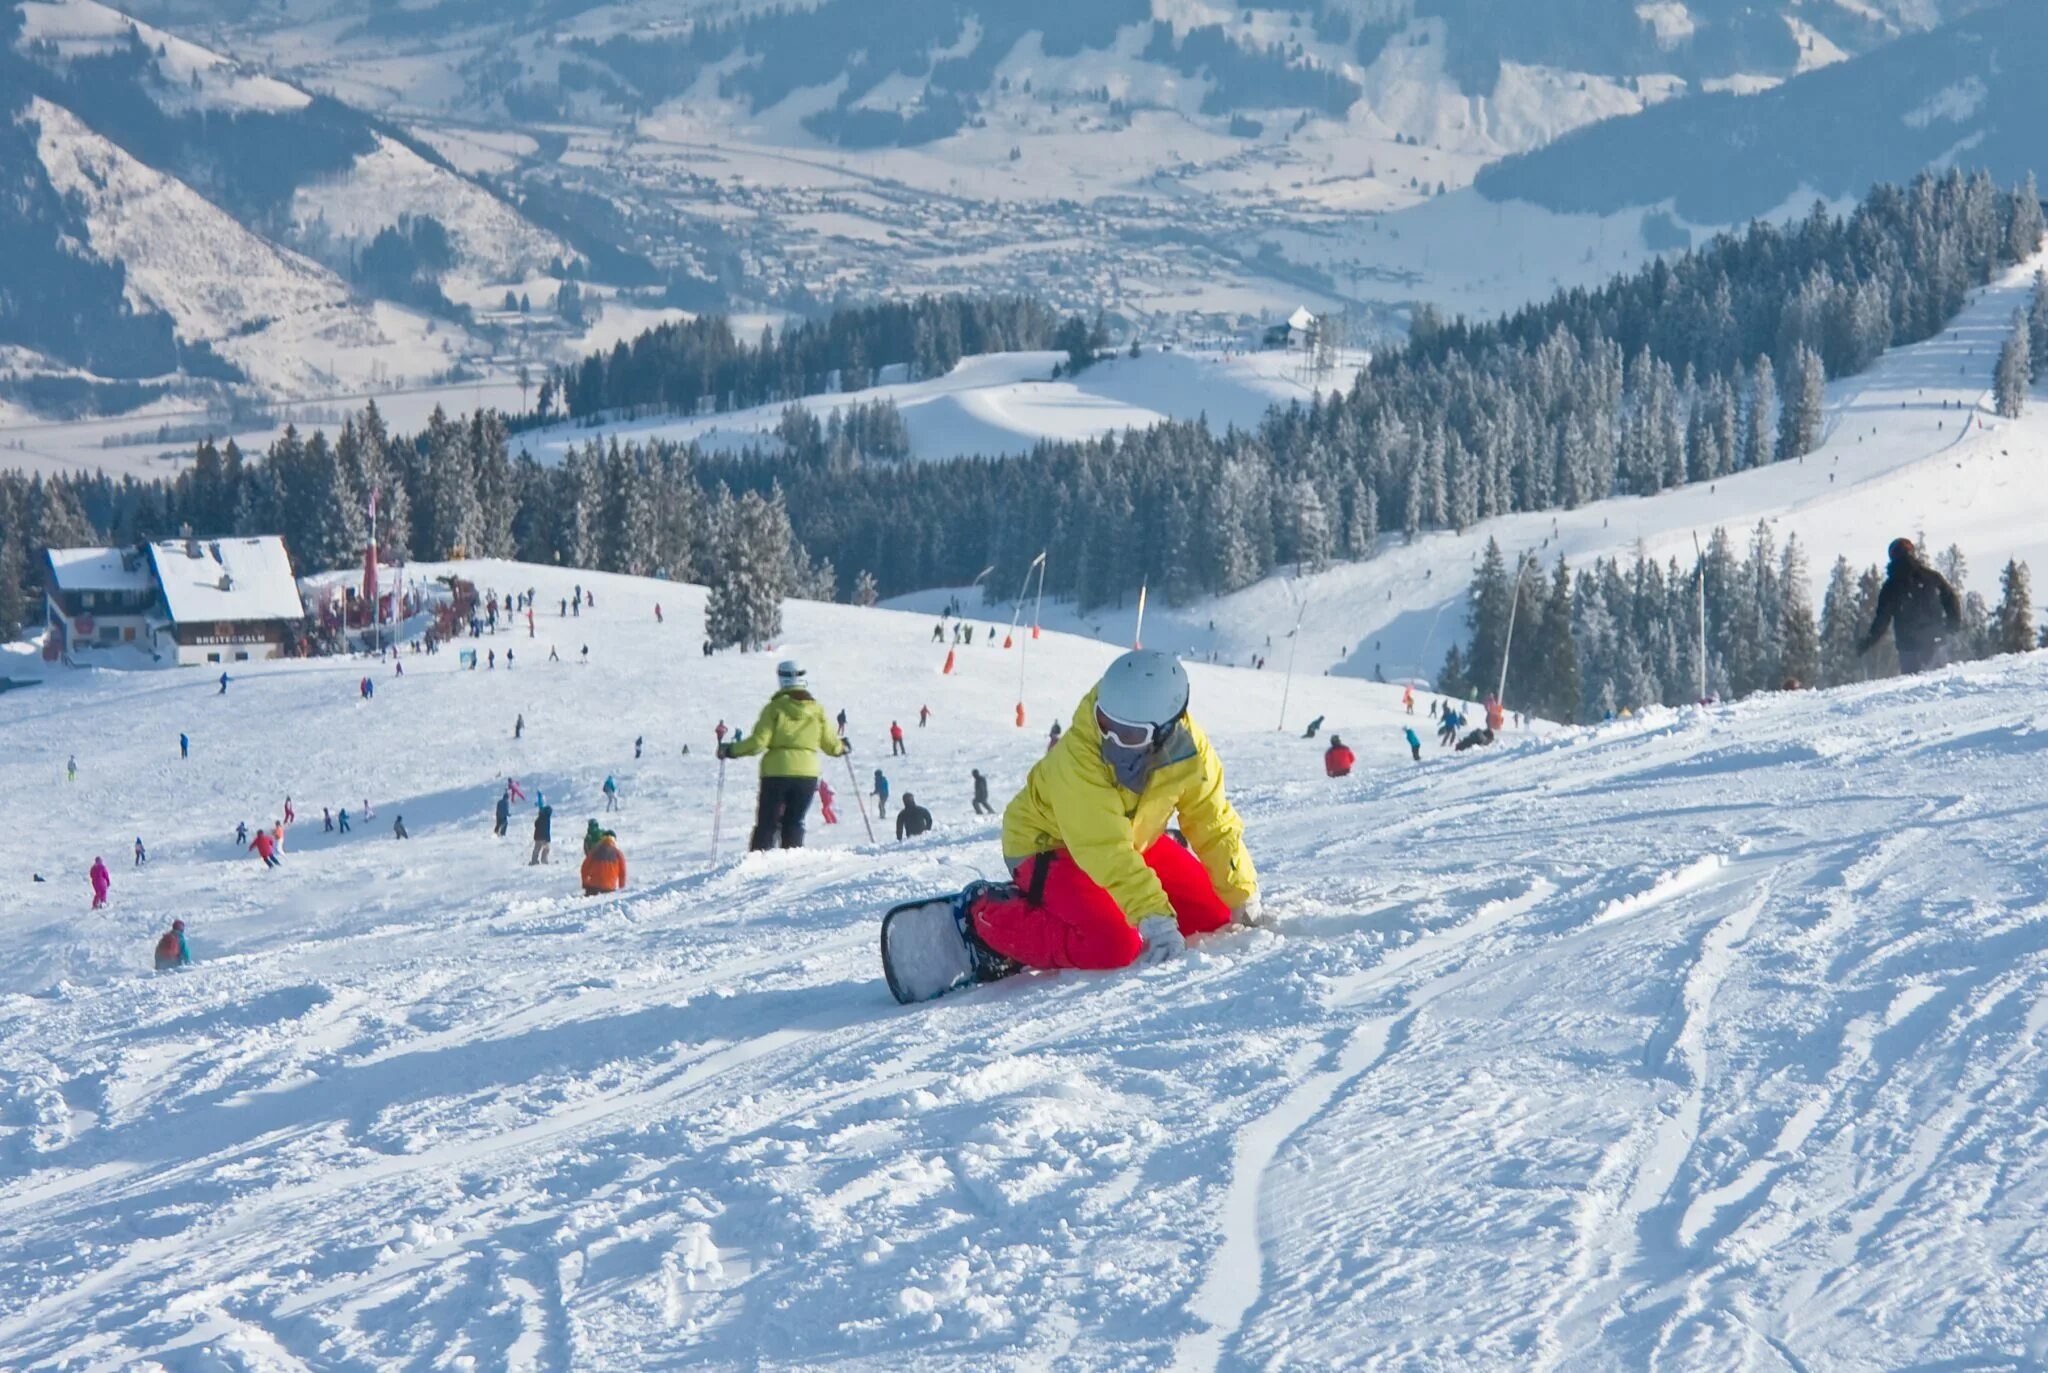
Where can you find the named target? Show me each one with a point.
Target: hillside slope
(1710, 1040)
(1913, 446)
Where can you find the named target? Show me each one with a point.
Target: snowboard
(927, 952)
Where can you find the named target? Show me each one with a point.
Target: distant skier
(939, 632)
(880, 791)
(1315, 727)
(172, 951)
(912, 819)
(841, 722)
(827, 806)
(1408, 699)
(102, 882)
(896, 749)
(241, 834)
(1920, 608)
(291, 815)
(611, 795)
(342, 819)
(1099, 882)
(790, 734)
(639, 741)
(1496, 715)
(184, 746)
(1447, 727)
(223, 684)
(981, 805)
(71, 768)
(1052, 737)
(141, 855)
(1337, 759)
(326, 820)
(1414, 744)
(543, 835)
(1478, 738)
(265, 847)
(657, 612)
(719, 733)
(519, 726)
(512, 789)
(501, 818)
(924, 716)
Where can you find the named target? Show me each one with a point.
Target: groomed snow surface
(1000, 404)
(1706, 1040)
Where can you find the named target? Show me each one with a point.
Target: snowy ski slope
(1707, 1040)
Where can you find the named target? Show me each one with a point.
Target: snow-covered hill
(1005, 403)
(1705, 1040)
(1913, 447)
(288, 323)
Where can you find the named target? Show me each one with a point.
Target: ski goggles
(1133, 738)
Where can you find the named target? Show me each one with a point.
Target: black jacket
(1918, 605)
(544, 825)
(912, 821)
(981, 788)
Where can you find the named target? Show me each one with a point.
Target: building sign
(225, 634)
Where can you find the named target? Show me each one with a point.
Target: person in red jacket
(265, 848)
(895, 739)
(1337, 759)
(825, 800)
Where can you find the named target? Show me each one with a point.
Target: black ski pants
(780, 810)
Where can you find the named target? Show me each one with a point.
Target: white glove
(1162, 939)
(1251, 913)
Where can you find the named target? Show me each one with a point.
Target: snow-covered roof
(100, 569)
(1301, 321)
(229, 579)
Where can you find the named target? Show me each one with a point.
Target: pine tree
(1759, 427)
(1799, 428)
(1492, 601)
(1840, 632)
(1798, 638)
(2037, 323)
(2012, 624)
(2015, 372)
(1557, 651)
(1311, 528)
(865, 592)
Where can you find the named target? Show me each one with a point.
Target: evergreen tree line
(1622, 636)
(1689, 370)
(687, 366)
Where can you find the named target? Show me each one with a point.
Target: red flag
(948, 668)
(370, 578)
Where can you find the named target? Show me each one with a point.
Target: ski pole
(717, 810)
(854, 782)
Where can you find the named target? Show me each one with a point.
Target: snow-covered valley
(1706, 1040)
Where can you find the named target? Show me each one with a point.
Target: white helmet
(790, 673)
(1144, 690)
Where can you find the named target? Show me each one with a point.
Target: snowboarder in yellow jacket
(789, 736)
(1099, 882)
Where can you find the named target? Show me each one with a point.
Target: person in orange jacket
(604, 867)
(1337, 759)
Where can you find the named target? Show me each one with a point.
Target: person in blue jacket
(1414, 744)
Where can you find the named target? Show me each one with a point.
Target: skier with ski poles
(790, 734)
(1098, 881)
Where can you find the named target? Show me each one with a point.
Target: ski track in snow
(1707, 1039)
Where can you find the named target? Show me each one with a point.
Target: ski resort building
(1297, 331)
(174, 603)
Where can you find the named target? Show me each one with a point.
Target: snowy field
(999, 404)
(1706, 1040)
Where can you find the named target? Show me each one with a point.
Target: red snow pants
(1078, 924)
